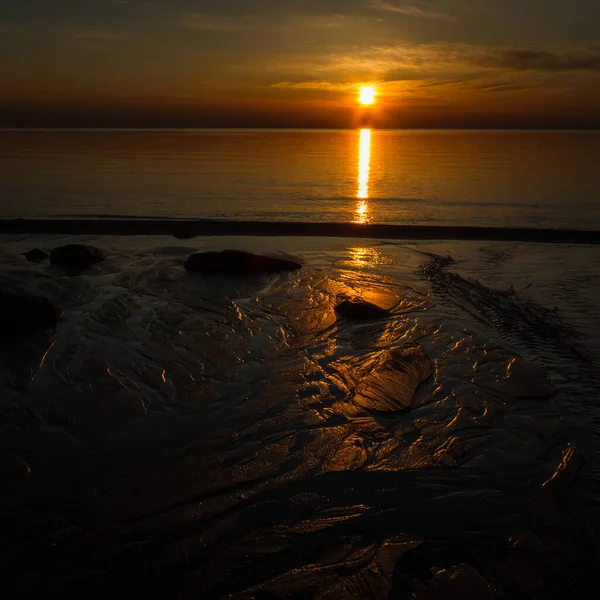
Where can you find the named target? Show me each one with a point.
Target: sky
(299, 63)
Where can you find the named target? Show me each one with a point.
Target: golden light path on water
(361, 214)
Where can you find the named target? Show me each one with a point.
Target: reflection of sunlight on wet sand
(365, 257)
(361, 214)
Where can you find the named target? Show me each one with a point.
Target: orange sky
(266, 63)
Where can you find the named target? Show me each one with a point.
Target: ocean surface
(477, 178)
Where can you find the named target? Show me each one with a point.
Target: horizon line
(249, 128)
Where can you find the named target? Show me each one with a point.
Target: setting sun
(367, 95)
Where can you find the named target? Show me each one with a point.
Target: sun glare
(367, 95)
(361, 214)
(364, 164)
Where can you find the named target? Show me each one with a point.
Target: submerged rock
(361, 310)
(20, 311)
(35, 255)
(236, 262)
(77, 255)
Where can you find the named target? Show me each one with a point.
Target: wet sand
(187, 436)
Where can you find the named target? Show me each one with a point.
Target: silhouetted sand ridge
(190, 228)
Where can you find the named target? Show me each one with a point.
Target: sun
(367, 95)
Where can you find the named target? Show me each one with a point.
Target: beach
(216, 436)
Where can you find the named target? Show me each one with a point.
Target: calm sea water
(539, 179)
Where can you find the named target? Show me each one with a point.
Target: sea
(184, 435)
(478, 178)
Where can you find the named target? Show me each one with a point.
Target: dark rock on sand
(360, 310)
(20, 311)
(235, 262)
(77, 255)
(184, 235)
(35, 255)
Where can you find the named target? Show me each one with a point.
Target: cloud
(409, 61)
(447, 82)
(506, 87)
(314, 85)
(439, 70)
(545, 60)
(424, 10)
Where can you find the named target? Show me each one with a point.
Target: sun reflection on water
(361, 214)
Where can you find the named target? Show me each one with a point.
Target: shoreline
(203, 227)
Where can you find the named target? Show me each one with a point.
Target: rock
(236, 262)
(35, 255)
(20, 311)
(77, 255)
(360, 310)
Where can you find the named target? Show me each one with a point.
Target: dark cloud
(506, 87)
(543, 60)
(447, 82)
(474, 82)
